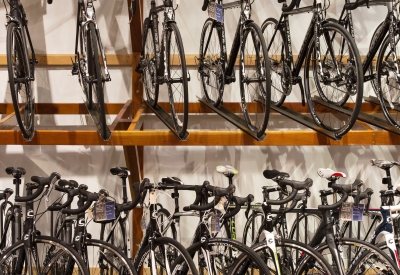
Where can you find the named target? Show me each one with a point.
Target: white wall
(53, 31)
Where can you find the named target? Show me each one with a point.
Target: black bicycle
(216, 70)
(90, 64)
(385, 79)
(21, 67)
(163, 62)
(333, 77)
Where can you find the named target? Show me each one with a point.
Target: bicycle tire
(112, 260)
(251, 227)
(334, 117)
(365, 233)
(8, 235)
(96, 93)
(383, 247)
(163, 216)
(222, 257)
(212, 62)
(281, 75)
(53, 258)
(177, 74)
(299, 224)
(303, 259)
(19, 81)
(255, 79)
(117, 237)
(372, 68)
(148, 64)
(389, 87)
(355, 263)
(183, 263)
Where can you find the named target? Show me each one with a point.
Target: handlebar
(203, 207)
(291, 6)
(49, 2)
(205, 5)
(353, 6)
(239, 202)
(91, 197)
(335, 205)
(42, 183)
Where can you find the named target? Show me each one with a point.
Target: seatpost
(125, 197)
(17, 182)
(388, 179)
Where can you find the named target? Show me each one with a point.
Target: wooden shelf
(125, 133)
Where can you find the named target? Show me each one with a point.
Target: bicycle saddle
(270, 174)
(328, 173)
(19, 171)
(226, 169)
(122, 172)
(171, 180)
(384, 164)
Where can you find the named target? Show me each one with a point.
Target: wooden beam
(136, 118)
(8, 122)
(198, 138)
(124, 113)
(62, 108)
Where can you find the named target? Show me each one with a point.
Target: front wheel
(20, 81)
(177, 80)
(255, 79)
(333, 77)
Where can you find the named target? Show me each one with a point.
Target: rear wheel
(177, 80)
(19, 80)
(252, 226)
(212, 62)
(255, 79)
(304, 228)
(389, 81)
(333, 76)
(149, 64)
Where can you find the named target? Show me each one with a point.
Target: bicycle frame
(85, 15)
(245, 16)
(388, 25)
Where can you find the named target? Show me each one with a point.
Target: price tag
(215, 226)
(153, 198)
(216, 12)
(346, 212)
(104, 211)
(358, 212)
(90, 215)
(221, 204)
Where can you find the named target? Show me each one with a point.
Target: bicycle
(216, 70)
(90, 64)
(21, 67)
(163, 62)
(34, 253)
(333, 78)
(384, 79)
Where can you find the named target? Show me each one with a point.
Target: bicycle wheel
(372, 66)
(61, 232)
(252, 226)
(149, 64)
(383, 247)
(19, 80)
(225, 256)
(388, 82)
(281, 75)
(51, 258)
(177, 79)
(360, 230)
(304, 228)
(334, 74)
(255, 79)
(174, 260)
(293, 257)
(359, 257)
(163, 219)
(7, 234)
(114, 234)
(105, 258)
(95, 81)
(212, 62)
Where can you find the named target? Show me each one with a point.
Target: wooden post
(134, 154)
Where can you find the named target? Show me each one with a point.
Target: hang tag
(215, 226)
(346, 211)
(143, 222)
(104, 211)
(90, 214)
(216, 11)
(153, 197)
(221, 204)
(358, 211)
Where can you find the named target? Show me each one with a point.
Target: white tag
(221, 204)
(346, 211)
(143, 223)
(153, 197)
